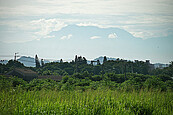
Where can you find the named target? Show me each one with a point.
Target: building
(28, 75)
(151, 66)
(25, 74)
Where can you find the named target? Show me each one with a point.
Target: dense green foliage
(69, 68)
(90, 102)
(86, 81)
(5, 68)
(108, 75)
(87, 94)
(118, 67)
(86, 89)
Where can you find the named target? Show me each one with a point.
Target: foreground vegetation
(86, 89)
(18, 97)
(90, 102)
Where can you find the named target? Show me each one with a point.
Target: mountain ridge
(124, 44)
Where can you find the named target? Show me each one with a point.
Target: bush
(82, 82)
(67, 86)
(96, 78)
(8, 82)
(78, 75)
(5, 82)
(154, 82)
(38, 84)
(65, 79)
(164, 77)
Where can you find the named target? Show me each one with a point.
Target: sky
(23, 22)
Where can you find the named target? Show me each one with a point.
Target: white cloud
(94, 37)
(146, 31)
(143, 35)
(111, 7)
(90, 24)
(112, 36)
(53, 36)
(66, 37)
(45, 27)
(114, 12)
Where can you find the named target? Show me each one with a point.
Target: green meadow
(90, 102)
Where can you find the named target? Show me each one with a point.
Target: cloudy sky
(22, 21)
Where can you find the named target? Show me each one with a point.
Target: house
(25, 74)
(53, 77)
(28, 75)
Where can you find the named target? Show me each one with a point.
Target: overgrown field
(90, 102)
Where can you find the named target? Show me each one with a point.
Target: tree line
(111, 74)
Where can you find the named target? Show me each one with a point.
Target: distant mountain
(29, 61)
(3, 61)
(93, 41)
(56, 61)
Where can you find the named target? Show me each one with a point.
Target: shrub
(96, 78)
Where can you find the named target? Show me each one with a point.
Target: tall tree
(105, 59)
(37, 63)
(76, 59)
(98, 62)
(84, 60)
(61, 61)
(42, 62)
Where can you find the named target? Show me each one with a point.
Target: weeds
(90, 102)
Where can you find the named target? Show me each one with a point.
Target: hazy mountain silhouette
(29, 61)
(124, 45)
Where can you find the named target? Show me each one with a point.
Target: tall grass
(90, 102)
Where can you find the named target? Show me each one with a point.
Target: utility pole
(15, 56)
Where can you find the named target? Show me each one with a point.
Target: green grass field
(90, 102)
